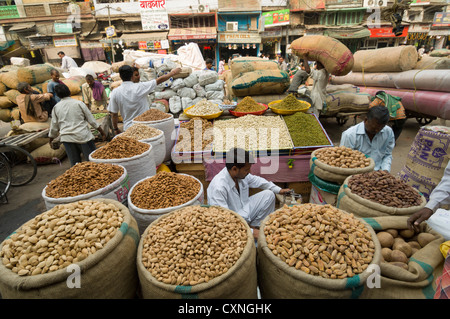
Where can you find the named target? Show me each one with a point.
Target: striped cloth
(443, 282)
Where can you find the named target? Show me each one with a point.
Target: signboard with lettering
(441, 19)
(154, 15)
(65, 41)
(63, 27)
(238, 37)
(276, 18)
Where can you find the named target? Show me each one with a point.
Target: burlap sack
(419, 281)
(261, 82)
(277, 280)
(109, 273)
(433, 63)
(392, 59)
(239, 282)
(3, 88)
(242, 65)
(362, 207)
(34, 74)
(5, 103)
(335, 174)
(12, 95)
(74, 83)
(46, 155)
(427, 159)
(347, 102)
(333, 54)
(15, 113)
(5, 115)
(10, 80)
(116, 66)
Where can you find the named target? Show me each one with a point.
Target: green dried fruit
(305, 130)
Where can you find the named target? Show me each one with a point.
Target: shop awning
(193, 33)
(348, 34)
(386, 32)
(147, 36)
(22, 27)
(439, 32)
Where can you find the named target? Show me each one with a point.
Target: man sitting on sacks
(30, 104)
(230, 189)
(372, 137)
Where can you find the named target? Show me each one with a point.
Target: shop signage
(420, 2)
(239, 37)
(415, 28)
(63, 27)
(154, 15)
(441, 19)
(153, 45)
(386, 32)
(272, 33)
(65, 41)
(276, 18)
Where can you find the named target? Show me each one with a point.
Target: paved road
(25, 202)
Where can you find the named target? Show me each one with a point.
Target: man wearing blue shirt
(372, 137)
(209, 65)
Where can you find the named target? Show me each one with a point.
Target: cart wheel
(424, 120)
(341, 120)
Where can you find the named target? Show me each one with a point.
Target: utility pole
(112, 48)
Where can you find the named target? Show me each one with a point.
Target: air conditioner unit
(232, 26)
(375, 3)
(203, 8)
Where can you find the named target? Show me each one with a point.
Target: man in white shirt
(282, 64)
(67, 62)
(319, 90)
(130, 99)
(439, 196)
(230, 189)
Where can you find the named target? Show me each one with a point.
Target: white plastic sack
(175, 104)
(142, 62)
(185, 102)
(190, 56)
(440, 222)
(216, 86)
(215, 95)
(97, 66)
(207, 77)
(177, 84)
(199, 90)
(166, 94)
(81, 72)
(20, 61)
(145, 217)
(142, 165)
(191, 80)
(117, 190)
(187, 92)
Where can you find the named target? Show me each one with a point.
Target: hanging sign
(154, 15)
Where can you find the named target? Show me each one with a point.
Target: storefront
(383, 37)
(242, 43)
(205, 37)
(418, 35)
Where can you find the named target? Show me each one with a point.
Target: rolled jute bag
(108, 272)
(433, 63)
(295, 272)
(335, 174)
(237, 253)
(332, 53)
(418, 281)
(145, 217)
(261, 82)
(363, 208)
(393, 59)
(117, 190)
(34, 74)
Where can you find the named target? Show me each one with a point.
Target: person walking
(70, 120)
(319, 90)
(67, 62)
(94, 94)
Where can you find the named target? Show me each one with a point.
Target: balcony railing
(9, 12)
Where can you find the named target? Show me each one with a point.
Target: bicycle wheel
(5, 178)
(23, 165)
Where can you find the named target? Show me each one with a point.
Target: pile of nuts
(152, 115)
(83, 178)
(343, 157)
(252, 132)
(193, 131)
(141, 132)
(165, 189)
(121, 147)
(203, 108)
(320, 240)
(64, 235)
(193, 245)
(383, 188)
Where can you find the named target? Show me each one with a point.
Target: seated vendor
(30, 103)
(372, 137)
(230, 189)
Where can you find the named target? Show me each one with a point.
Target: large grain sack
(395, 202)
(10, 80)
(3, 88)
(5, 115)
(440, 53)
(433, 63)
(80, 182)
(393, 59)
(228, 272)
(427, 159)
(46, 155)
(74, 84)
(115, 84)
(261, 82)
(12, 95)
(241, 65)
(170, 186)
(15, 113)
(287, 273)
(333, 54)
(326, 163)
(347, 102)
(34, 74)
(116, 66)
(136, 157)
(5, 103)
(104, 269)
(415, 279)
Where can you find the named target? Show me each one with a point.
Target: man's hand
(285, 191)
(418, 217)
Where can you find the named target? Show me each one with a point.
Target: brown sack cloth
(395, 59)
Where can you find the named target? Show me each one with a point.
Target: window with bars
(192, 21)
(342, 17)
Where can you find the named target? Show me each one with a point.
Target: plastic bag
(178, 84)
(191, 80)
(216, 86)
(199, 90)
(215, 95)
(185, 102)
(440, 222)
(187, 92)
(175, 104)
(166, 94)
(207, 77)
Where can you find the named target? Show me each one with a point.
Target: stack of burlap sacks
(182, 91)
